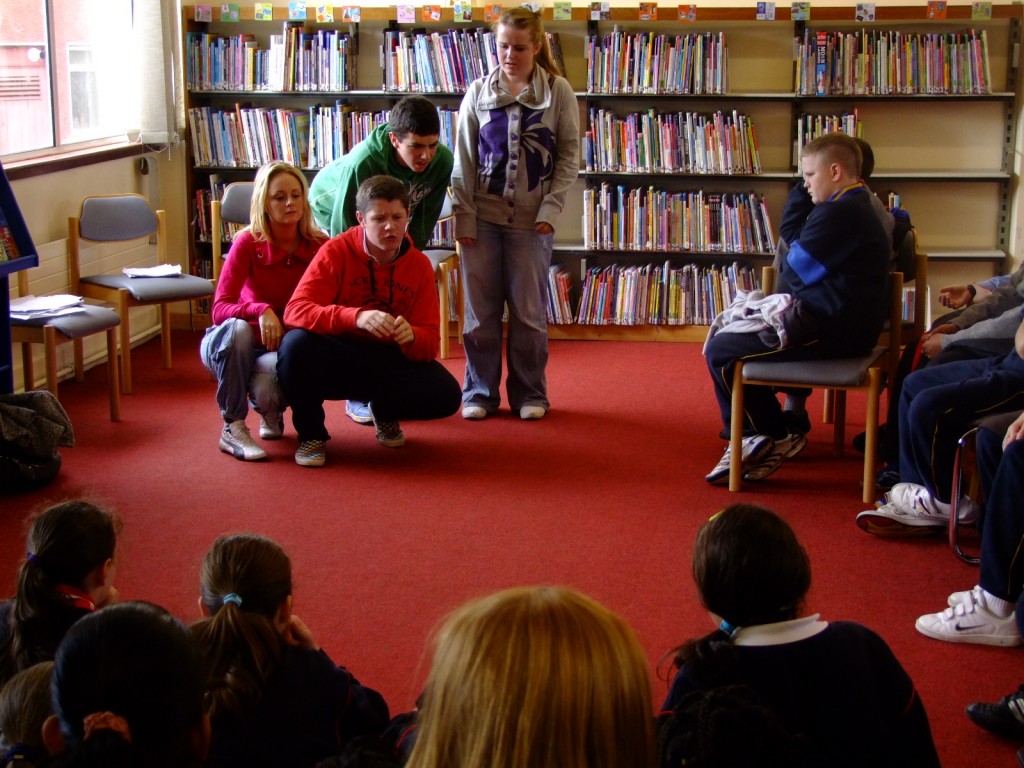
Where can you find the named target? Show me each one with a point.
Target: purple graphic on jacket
(536, 145)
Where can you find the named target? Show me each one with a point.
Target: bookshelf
(17, 252)
(930, 148)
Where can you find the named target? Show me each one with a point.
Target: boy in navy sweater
(836, 270)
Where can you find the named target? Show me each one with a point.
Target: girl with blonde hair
(260, 273)
(541, 677)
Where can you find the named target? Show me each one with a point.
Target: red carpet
(605, 495)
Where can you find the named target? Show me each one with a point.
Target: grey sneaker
(752, 449)
(389, 433)
(783, 449)
(359, 412)
(236, 440)
(311, 453)
(271, 426)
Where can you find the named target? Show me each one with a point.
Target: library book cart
(691, 132)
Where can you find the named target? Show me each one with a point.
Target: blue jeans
(939, 403)
(315, 367)
(244, 369)
(506, 265)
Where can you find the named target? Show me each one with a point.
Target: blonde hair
(524, 18)
(259, 224)
(541, 677)
(837, 148)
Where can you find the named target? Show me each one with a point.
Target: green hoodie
(332, 195)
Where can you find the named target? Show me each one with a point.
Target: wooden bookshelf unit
(949, 156)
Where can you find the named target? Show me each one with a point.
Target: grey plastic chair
(234, 207)
(51, 332)
(120, 218)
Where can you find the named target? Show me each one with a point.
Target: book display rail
(691, 132)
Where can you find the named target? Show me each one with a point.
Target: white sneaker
(751, 450)
(236, 440)
(970, 622)
(271, 426)
(532, 412)
(911, 497)
(888, 519)
(972, 595)
(783, 449)
(474, 412)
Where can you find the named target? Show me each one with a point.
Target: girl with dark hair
(274, 697)
(68, 572)
(835, 686)
(127, 691)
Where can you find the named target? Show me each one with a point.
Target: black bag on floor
(32, 426)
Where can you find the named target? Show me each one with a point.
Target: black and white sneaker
(752, 449)
(783, 449)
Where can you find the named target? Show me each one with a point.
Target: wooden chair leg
(871, 434)
(838, 420)
(79, 359)
(113, 385)
(27, 366)
(165, 333)
(50, 349)
(444, 302)
(828, 415)
(125, 345)
(736, 431)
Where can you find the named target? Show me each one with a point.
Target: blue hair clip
(728, 628)
(31, 557)
(232, 598)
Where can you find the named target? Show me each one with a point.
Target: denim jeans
(244, 369)
(506, 265)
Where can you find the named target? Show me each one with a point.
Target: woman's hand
(271, 329)
(543, 228)
(298, 634)
(377, 323)
(403, 331)
(955, 296)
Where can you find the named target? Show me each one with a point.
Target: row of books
(646, 62)
(444, 61)
(296, 60)
(671, 142)
(810, 127)
(881, 63)
(617, 217)
(248, 137)
(654, 294)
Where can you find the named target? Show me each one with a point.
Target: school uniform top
(309, 710)
(836, 684)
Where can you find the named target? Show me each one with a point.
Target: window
(63, 71)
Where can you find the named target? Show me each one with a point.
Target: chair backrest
(447, 210)
(234, 207)
(116, 217)
(113, 218)
(236, 203)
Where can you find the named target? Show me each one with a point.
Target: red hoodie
(342, 280)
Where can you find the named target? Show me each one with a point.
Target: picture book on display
(16, 248)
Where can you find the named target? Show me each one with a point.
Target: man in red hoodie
(364, 322)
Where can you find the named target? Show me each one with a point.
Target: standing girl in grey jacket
(516, 155)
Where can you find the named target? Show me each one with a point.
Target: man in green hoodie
(406, 147)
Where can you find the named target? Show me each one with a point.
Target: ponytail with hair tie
(105, 721)
(729, 629)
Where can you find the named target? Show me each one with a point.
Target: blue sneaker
(359, 412)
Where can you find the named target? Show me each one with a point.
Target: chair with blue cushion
(445, 261)
(54, 331)
(863, 372)
(122, 219)
(234, 207)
